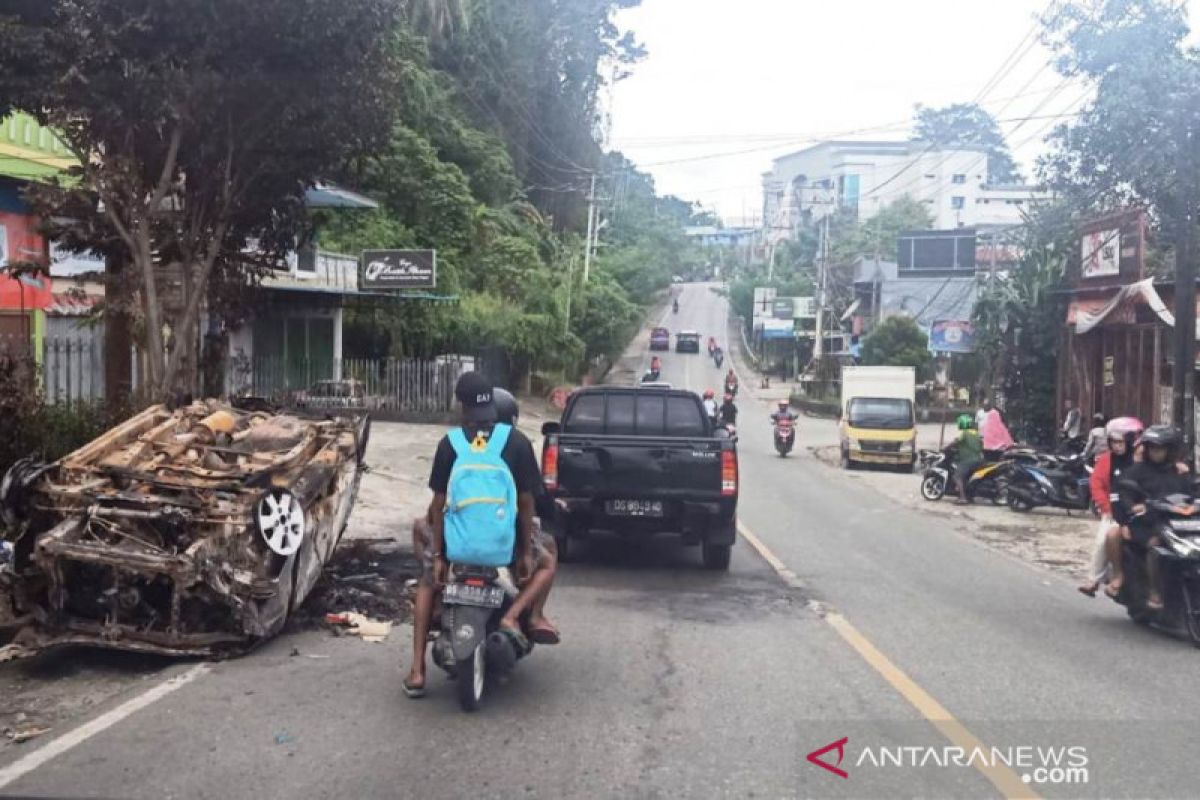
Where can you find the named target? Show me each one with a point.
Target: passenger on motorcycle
(996, 437)
(534, 557)
(1158, 475)
(970, 455)
(710, 405)
(729, 411)
(1120, 436)
(1097, 438)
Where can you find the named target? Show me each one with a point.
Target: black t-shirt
(729, 413)
(517, 454)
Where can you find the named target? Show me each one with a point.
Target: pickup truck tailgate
(607, 467)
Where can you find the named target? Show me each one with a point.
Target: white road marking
(56, 747)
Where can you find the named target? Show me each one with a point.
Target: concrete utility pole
(591, 231)
(822, 273)
(1184, 377)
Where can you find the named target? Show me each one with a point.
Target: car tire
(716, 556)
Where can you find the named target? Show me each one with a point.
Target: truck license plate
(484, 596)
(635, 508)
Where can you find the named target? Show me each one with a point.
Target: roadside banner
(778, 329)
(398, 269)
(951, 336)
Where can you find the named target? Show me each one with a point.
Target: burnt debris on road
(188, 532)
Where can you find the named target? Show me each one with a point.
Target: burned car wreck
(195, 531)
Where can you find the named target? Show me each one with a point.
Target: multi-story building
(863, 177)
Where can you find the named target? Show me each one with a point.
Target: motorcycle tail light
(550, 466)
(729, 474)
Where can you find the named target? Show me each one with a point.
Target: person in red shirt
(1121, 434)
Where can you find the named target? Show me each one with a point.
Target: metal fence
(71, 369)
(386, 386)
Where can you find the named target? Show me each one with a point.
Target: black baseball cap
(475, 393)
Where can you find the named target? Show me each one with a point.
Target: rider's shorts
(423, 541)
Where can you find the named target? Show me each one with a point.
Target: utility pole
(1184, 377)
(570, 289)
(822, 271)
(591, 230)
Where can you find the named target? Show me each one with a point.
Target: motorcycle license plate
(483, 596)
(634, 508)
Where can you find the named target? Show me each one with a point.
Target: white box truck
(878, 421)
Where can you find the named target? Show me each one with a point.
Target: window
(958, 203)
(651, 409)
(931, 176)
(959, 178)
(683, 418)
(306, 262)
(620, 415)
(587, 416)
(28, 133)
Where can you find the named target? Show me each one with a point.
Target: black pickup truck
(642, 461)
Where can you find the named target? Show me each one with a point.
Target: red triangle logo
(840, 746)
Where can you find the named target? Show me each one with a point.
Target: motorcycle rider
(718, 356)
(731, 382)
(710, 405)
(479, 418)
(1157, 475)
(675, 306)
(1117, 456)
(969, 455)
(783, 412)
(712, 344)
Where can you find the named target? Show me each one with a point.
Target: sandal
(518, 639)
(545, 635)
(412, 690)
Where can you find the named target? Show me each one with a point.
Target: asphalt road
(852, 618)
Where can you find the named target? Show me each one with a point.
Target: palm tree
(438, 20)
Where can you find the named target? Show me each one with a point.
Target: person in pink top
(996, 437)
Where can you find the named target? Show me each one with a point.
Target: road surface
(949, 670)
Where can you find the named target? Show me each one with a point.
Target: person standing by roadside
(1097, 441)
(1072, 427)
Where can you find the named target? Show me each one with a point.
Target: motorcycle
(731, 387)
(785, 436)
(939, 475)
(1177, 519)
(675, 307)
(470, 647)
(718, 357)
(1064, 485)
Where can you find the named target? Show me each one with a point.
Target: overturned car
(194, 531)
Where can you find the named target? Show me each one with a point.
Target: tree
(438, 20)
(968, 125)
(897, 342)
(198, 125)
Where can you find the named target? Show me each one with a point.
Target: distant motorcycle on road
(785, 436)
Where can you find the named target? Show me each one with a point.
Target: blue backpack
(481, 501)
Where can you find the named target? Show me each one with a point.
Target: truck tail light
(550, 466)
(729, 473)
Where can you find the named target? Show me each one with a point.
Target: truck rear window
(636, 414)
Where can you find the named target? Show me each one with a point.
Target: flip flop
(412, 691)
(546, 635)
(1089, 591)
(518, 639)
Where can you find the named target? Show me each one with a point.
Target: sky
(730, 84)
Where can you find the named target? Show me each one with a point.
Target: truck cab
(878, 423)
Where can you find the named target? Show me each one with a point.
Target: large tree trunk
(118, 340)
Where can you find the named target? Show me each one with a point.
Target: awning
(326, 195)
(1141, 292)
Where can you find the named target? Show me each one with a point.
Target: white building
(866, 176)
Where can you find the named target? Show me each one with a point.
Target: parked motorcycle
(1062, 486)
(470, 646)
(1177, 519)
(939, 475)
(785, 436)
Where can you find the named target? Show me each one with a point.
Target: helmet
(965, 422)
(1167, 436)
(1126, 428)
(1098, 420)
(506, 406)
(709, 394)
(783, 403)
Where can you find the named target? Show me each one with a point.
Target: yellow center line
(1006, 781)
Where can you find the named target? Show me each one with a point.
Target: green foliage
(968, 125)
(898, 342)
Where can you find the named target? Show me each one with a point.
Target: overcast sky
(772, 76)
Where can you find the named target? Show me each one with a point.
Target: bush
(898, 342)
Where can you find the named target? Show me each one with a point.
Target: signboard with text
(1111, 249)
(1102, 253)
(398, 269)
(778, 329)
(764, 301)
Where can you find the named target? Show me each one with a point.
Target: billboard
(778, 329)
(1101, 252)
(764, 305)
(1112, 249)
(951, 336)
(398, 269)
(783, 308)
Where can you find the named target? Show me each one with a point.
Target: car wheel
(471, 680)
(716, 556)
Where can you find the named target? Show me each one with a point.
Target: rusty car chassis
(193, 531)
